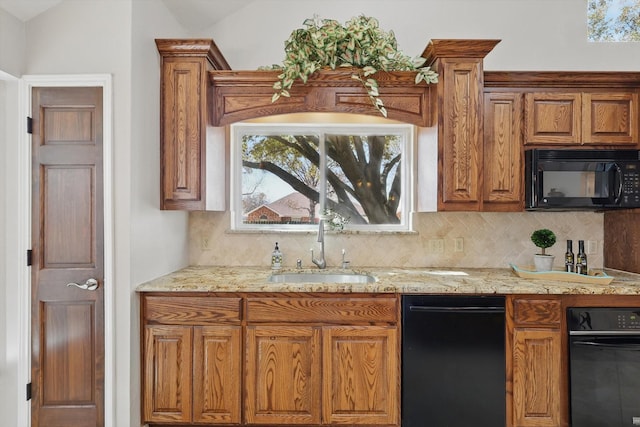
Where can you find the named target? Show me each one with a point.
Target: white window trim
(407, 131)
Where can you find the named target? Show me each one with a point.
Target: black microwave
(582, 179)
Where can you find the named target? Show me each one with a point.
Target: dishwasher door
(453, 361)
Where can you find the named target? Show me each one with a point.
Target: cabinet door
(503, 152)
(536, 377)
(217, 381)
(183, 133)
(552, 118)
(167, 374)
(460, 138)
(361, 375)
(610, 118)
(282, 375)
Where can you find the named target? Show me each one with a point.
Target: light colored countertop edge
(388, 280)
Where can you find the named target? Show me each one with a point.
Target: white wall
(12, 44)
(12, 264)
(103, 36)
(4, 372)
(79, 37)
(159, 239)
(536, 34)
(12, 41)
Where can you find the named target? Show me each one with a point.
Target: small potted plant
(543, 239)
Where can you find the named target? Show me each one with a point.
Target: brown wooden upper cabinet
(183, 120)
(503, 174)
(460, 121)
(581, 118)
(484, 119)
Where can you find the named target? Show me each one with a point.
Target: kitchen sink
(321, 277)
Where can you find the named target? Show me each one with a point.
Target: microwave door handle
(619, 192)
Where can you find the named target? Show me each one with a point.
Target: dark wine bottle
(569, 258)
(581, 259)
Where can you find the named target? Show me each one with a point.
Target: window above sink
(287, 176)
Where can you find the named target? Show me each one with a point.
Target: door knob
(89, 285)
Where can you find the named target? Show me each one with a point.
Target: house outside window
(289, 176)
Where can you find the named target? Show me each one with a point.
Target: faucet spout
(320, 262)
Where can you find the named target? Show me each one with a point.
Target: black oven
(582, 179)
(604, 365)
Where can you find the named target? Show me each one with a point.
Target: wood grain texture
(537, 383)
(167, 374)
(460, 135)
(305, 359)
(283, 377)
(193, 48)
(537, 312)
(622, 240)
(241, 95)
(325, 310)
(553, 118)
(217, 374)
(183, 138)
(191, 310)
(536, 377)
(458, 48)
(503, 162)
(360, 375)
(183, 119)
(561, 79)
(67, 323)
(610, 118)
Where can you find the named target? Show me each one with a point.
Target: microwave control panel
(630, 184)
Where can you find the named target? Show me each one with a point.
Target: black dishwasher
(453, 361)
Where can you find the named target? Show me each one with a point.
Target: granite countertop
(388, 280)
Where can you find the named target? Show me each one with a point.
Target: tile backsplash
(441, 239)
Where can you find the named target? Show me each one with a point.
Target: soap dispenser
(276, 258)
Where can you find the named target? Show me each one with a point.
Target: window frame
(407, 132)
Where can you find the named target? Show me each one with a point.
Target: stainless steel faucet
(320, 262)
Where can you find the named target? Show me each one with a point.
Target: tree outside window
(290, 175)
(613, 20)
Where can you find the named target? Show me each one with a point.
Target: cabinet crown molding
(193, 48)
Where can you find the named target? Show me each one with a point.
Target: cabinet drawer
(532, 312)
(304, 310)
(191, 310)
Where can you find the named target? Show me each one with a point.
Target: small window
(613, 20)
(289, 176)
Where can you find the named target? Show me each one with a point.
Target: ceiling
(192, 14)
(24, 10)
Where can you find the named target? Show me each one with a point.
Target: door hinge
(29, 125)
(29, 257)
(28, 391)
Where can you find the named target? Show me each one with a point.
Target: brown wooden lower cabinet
(278, 360)
(192, 374)
(327, 359)
(535, 362)
(283, 375)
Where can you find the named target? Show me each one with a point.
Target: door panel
(361, 392)
(67, 241)
(68, 372)
(283, 375)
